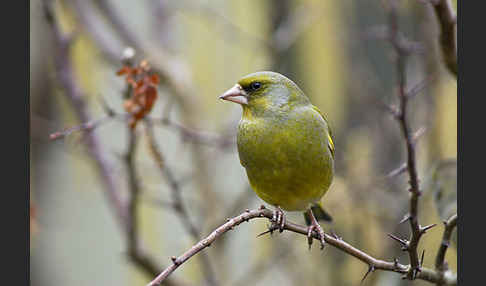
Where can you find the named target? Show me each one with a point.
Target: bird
(286, 146)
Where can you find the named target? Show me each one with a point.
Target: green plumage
(284, 143)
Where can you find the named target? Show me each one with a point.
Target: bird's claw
(279, 218)
(320, 234)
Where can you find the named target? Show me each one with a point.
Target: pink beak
(235, 94)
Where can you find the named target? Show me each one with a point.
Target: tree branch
(417, 231)
(177, 201)
(124, 213)
(198, 137)
(448, 32)
(141, 258)
(76, 97)
(426, 274)
(440, 264)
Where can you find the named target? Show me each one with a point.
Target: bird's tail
(319, 213)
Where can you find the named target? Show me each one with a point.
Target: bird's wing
(329, 134)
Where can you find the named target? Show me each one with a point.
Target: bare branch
(398, 171)
(125, 214)
(87, 127)
(141, 258)
(440, 264)
(377, 264)
(198, 137)
(448, 32)
(76, 98)
(178, 205)
(403, 52)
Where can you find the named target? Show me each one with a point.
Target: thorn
(419, 87)
(418, 134)
(263, 233)
(398, 171)
(403, 242)
(371, 268)
(270, 230)
(333, 234)
(425, 228)
(422, 258)
(392, 109)
(405, 218)
(174, 260)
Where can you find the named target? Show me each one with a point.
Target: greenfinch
(285, 145)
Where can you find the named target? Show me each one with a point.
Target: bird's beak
(235, 94)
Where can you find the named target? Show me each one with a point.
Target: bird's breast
(286, 158)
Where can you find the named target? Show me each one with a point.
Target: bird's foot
(279, 218)
(315, 226)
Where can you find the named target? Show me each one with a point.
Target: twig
(440, 264)
(426, 274)
(73, 92)
(400, 170)
(203, 138)
(177, 201)
(87, 126)
(448, 32)
(417, 231)
(141, 258)
(76, 97)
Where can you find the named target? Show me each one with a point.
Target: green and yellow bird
(286, 146)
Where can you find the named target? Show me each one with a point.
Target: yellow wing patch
(329, 134)
(330, 144)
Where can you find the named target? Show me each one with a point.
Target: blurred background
(334, 50)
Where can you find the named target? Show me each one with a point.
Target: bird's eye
(255, 85)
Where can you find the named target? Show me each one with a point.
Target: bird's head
(264, 92)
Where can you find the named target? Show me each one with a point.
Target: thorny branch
(377, 264)
(402, 54)
(440, 264)
(448, 32)
(417, 230)
(127, 215)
